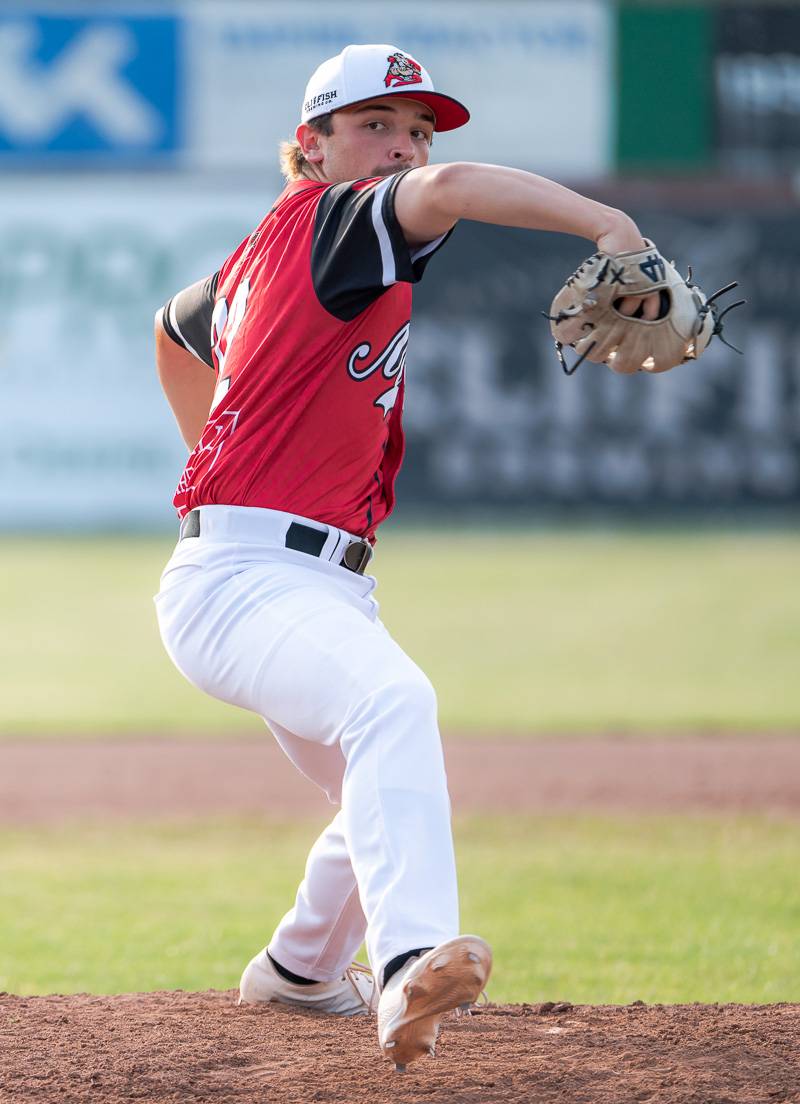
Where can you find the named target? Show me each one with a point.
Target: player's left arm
(430, 200)
(187, 384)
(184, 362)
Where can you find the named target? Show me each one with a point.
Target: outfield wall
(88, 440)
(137, 147)
(208, 86)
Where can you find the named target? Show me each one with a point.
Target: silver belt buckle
(356, 556)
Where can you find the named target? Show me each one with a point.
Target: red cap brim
(450, 114)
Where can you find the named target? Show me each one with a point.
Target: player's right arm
(431, 199)
(183, 356)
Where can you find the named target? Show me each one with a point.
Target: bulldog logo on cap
(402, 70)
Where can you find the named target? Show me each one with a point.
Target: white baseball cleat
(353, 994)
(415, 998)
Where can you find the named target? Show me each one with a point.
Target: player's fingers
(650, 307)
(629, 305)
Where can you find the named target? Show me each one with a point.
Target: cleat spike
(400, 1067)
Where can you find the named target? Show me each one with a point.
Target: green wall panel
(664, 86)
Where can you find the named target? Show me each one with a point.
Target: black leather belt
(300, 538)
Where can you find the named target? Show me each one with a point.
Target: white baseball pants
(297, 639)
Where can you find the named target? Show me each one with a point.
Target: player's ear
(309, 143)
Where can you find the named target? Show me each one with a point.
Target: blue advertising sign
(88, 87)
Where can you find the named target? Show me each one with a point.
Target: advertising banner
(757, 86)
(87, 439)
(493, 420)
(509, 62)
(97, 87)
(211, 86)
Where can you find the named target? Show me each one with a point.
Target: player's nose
(402, 151)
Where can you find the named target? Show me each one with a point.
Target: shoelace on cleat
(351, 973)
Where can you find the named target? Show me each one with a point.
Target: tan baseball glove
(585, 314)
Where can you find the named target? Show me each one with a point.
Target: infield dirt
(180, 1046)
(202, 1046)
(51, 783)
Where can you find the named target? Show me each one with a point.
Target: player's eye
(375, 123)
(421, 134)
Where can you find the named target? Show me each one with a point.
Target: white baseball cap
(365, 72)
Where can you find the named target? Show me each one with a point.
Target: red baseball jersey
(306, 327)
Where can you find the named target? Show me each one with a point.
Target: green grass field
(581, 909)
(535, 632)
(532, 632)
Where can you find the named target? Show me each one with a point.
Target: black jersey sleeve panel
(345, 256)
(187, 318)
(410, 261)
(359, 249)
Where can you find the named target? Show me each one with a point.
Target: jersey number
(224, 326)
(653, 267)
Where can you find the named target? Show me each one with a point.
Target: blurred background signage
(89, 86)
(220, 84)
(510, 62)
(143, 146)
(757, 87)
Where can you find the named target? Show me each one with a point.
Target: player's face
(376, 138)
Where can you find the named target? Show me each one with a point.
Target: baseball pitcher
(285, 370)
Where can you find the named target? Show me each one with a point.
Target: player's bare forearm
(432, 199)
(187, 382)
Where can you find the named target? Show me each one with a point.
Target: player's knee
(403, 710)
(412, 695)
(395, 727)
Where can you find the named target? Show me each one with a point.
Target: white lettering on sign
(37, 100)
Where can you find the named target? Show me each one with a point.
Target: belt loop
(332, 544)
(190, 525)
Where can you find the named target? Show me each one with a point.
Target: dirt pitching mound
(202, 1046)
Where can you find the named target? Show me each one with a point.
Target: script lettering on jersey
(391, 362)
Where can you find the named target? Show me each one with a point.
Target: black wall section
(757, 87)
(492, 421)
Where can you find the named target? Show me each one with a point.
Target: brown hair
(293, 161)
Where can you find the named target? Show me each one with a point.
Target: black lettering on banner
(653, 267)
